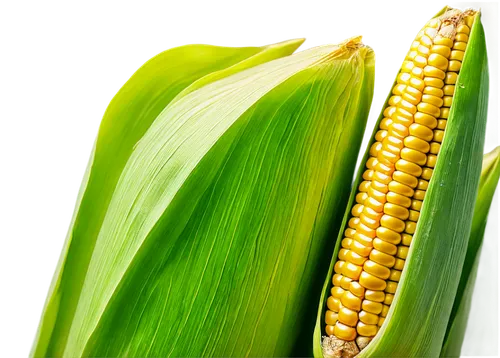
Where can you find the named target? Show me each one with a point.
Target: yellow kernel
(347, 317)
(329, 329)
(457, 55)
(434, 100)
(372, 306)
(398, 89)
(375, 296)
(438, 92)
(415, 205)
(443, 41)
(379, 136)
(397, 211)
(438, 61)
(463, 29)
(447, 101)
(417, 72)
(404, 78)
(399, 264)
(368, 318)
(411, 55)
(442, 50)
(384, 246)
(344, 332)
(417, 144)
(336, 279)
(342, 254)
(401, 188)
(420, 61)
(433, 81)
(407, 238)
(417, 83)
(426, 40)
(385, 123)
(431, 71)
(360, 249)
(368, 175)
(394, 100)
(398, 130)
(421, 132)
(423, 50)
(392, 222)
(408, 97)
(425, 119)
(469, 20)
(419, 194)
(414, 215)
(438, 135)
(385, 311)
(390, 297)
(449, 90)
(386, 156)
(333, 304)
(402, 251)
(360, 197)
(369, 212)
(451, 78)
(410, 227)
(345, 282)
(376, 270)
(365, 240)
(338, 266)
(374, 194)
(454, 65)
(398, 199)
(460, 46)
(351, 301)
(422, 185)
(404, 178)
(407, 66)
(353, 222)
(380, 181)
(407, 106)
(331, 317)
(355, 258)
(374, 204)
(364, 186)
(428, 108)
(433, 25)
(357, 289)
(445, 112)
(391, 288)
(388, 235)
(442, 124)
(375, 148)
(414, 156)
(366, 330)
(435, 148)
(337, 292)
(382, 258)
(408, 167)
(431, 160)
(346, 243)
(371, 282)
(363, 228)
(380, 322)
(427, 173)
(357, 210)
(379, 186)
(461, 37)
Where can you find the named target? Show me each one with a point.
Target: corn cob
(397, 175)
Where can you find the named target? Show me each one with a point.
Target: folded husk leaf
(127, 118)
(473, 327)
(214, 235)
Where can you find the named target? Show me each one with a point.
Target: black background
(83, 62)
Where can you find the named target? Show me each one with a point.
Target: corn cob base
(398, 171)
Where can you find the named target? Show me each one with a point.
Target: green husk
(473, 326)
(127, 118)
(417, 320)
(214, 233)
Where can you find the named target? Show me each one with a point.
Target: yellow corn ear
(392, 194)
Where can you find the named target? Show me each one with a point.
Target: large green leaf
(127, 118)
(473, 327)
